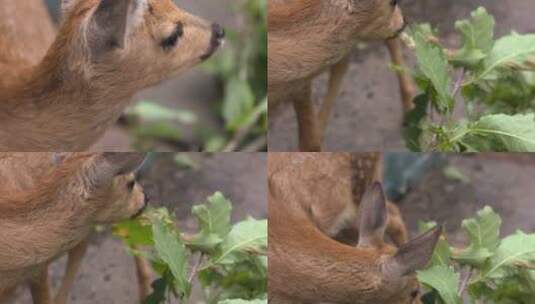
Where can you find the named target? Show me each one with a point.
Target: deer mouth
(140, 211)
(218, 36)
(401, 30)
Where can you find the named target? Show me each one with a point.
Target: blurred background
(219, 106)
(178, 182)
(368, 115)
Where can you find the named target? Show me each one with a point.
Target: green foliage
(495, 78)
(499, 270)
(232, 258)
(242, 69)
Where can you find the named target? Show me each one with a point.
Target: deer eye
(414, 294)
(171, 41)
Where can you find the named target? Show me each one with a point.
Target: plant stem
(458, 84)
(195, 267)
(464, 282)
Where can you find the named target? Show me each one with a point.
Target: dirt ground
(367, 115)
(108, 274)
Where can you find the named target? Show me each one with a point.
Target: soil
(369, 103)
(108, 274)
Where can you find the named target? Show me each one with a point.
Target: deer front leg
(406, 84)
(337, 73)
(144, 277)
(40, 287)
(74, 262)
(309, 137)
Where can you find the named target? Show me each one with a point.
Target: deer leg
(337, 73)
(144, 277)
(40, 287)
(309, 137)
(396, 228)
(406, 84)
(74, 262)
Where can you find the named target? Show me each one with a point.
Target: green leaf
(159, 290)
(444, 280)
(248, 237)
(477, 36)
(412, 130)
(484, 235)
(517, 250)
(513, 51)
(171, 250)
(239, 102)
(453, 173)
(160, 130)
(134, 232)
(502, 133)
(152, 111)
(214, 222)
(433, 64)
(442, 253)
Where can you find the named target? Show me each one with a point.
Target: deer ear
(414, 255)
(109, 165)
(373, 217)
(112, 21)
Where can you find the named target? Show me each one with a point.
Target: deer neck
(324, 270)
(53, 108)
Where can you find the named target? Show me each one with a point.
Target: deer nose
(218, 31)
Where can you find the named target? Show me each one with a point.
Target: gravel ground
(367, 116)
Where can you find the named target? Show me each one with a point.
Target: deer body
(62, 94)
(313, 198)
(49, 204)
(308, 37)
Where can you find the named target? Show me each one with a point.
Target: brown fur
(307, 37)
(64, 99)
(314, 198)
(49, 204)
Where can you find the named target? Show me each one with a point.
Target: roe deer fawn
(313, 198)
(307, 37)
(62, 93)
(49, 204)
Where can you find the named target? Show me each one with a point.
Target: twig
(246, 128)
(256, 145)
(458, 83)
(465, 280)
(195, 267)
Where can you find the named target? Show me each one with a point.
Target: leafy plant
(493, 78)
(488, 270)
(242, 69)
(229, 261)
